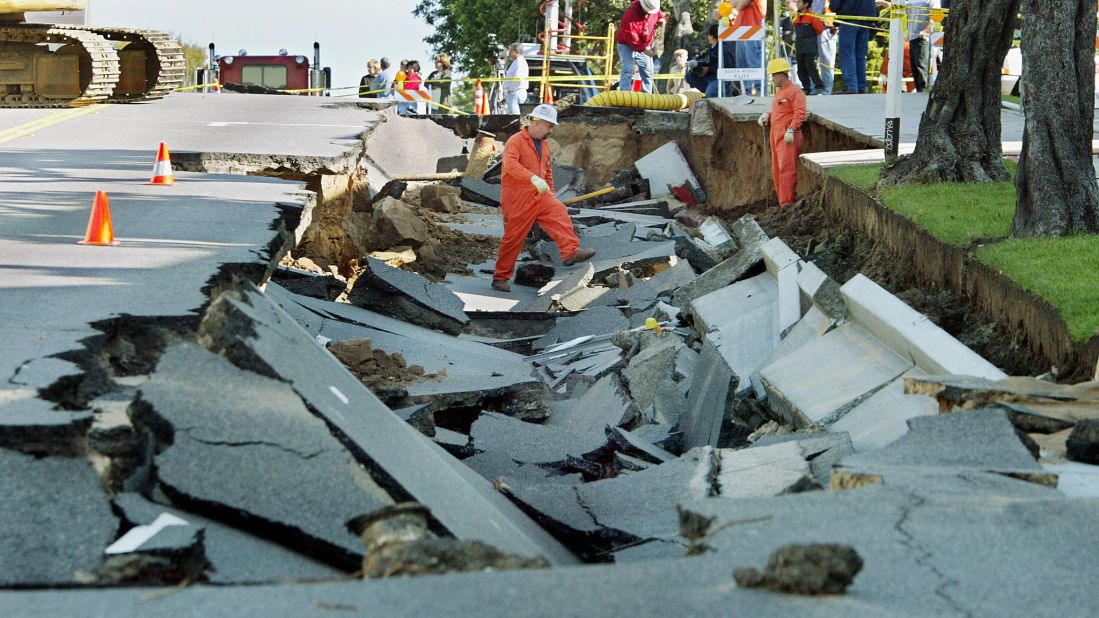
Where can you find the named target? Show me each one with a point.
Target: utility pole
(895, 82)
(551, 24)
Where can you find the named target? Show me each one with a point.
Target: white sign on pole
(736, 75)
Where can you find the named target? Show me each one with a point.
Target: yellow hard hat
(778, 65)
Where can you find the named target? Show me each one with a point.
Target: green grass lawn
(1011, 99)
(1063, 271)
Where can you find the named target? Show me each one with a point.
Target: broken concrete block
(558, 509)
(750, 238)
(246, 448)
(31, 425)
(657, 434)
(604, 405)
(582, 298)
(812, 569)
(811, 326)
(632, 445)
(1083, 442)
(822, 450)
(568, 282)
(235, 556)
(981, 440)
(534, 274)
(717, 235)
(742, 321)
(665, 168)
(645, 291)
(820, 291)
(911, 333)
(770, 470)
(532, 443)
(55, 520)
(782, 264)
(702, 122)
(713, 385)
(254, 332)
(441, 198)
(396, 223)
(594, 321)
(326, 287)
(407, 296)
(827, 377)
(651, 369)
(884, 416)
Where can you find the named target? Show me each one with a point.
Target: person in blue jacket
(854, 38)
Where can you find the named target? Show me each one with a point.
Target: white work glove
(539, 184)
(789, 138)
(763, 119)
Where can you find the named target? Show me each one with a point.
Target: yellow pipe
(644, 100)
(588, 196)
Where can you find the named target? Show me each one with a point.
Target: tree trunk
(1056, 193)
(959, 139)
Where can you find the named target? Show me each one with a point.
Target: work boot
(580, 255)
(501, 285)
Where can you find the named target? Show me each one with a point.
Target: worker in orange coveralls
(527, 197)
(786, 117)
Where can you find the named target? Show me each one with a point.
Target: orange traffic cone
(548, 99)
(100, 231)
(487, 110)
(479, 99)
(636, 85)
(162, 171)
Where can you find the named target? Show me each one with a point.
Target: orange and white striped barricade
(414, 96)
(738, 35)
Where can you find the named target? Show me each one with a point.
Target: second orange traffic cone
(478, 99)
(100, 230)
(162, 170)
(636, 85)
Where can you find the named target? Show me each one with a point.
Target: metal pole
(896, 82)
(551, 23)
(211, 69)
(545, 64)
(568, 27)
(316, 74)
(611, 48)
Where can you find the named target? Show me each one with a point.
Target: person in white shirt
(919, 39)
(826, 48)
(515, 90)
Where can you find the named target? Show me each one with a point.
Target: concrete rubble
(701, 408)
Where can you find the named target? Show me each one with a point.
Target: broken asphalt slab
(55, 520)
(594, 321)
(407, 296)
(244, 448)
(255, 333)
(532, 443)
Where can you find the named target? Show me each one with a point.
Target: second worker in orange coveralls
(786, 117)
(527, 196)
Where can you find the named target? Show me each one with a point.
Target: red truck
(281, 72)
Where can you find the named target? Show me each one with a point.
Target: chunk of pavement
(170, 550)
(604, 405)
(582, 298)
(419, 416)
(716, 234)
(625, 463)
(828, 377)
(594, 321)
(396, 223)
(980, 441)
(455, 442)
(714, 384)
(480, 192)
(1083, 442)
(534, 274)
(652, 369)
(327, 287)
(743, 322)
(821, 291)
(532, 443)
(822, 450)
(397, 542)
(235, 556)
(657, 434)
(441, 198)
(647, 290)
(630, 444)
(494, 465)
(697, 252)
(557, 508)
(1039, 406)
(911, 333)
(643, 504)
(566, 283)
(810, 327)
(686, 363)
(407, 296)
(253, 332)
(32, 425)
(750, 237)
(812, 569)
(782, 264)
(55, 519)
(247, 450)
(884, 416)
(666, 167)
(764, 471)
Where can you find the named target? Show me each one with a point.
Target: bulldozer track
(100, 51)
(169, 54)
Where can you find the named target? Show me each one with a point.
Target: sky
(350, 31)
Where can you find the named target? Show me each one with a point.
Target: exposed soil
(842, 254)
(453, 252)
(381, 372)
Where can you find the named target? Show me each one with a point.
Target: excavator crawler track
(99, 53)
(171, 66)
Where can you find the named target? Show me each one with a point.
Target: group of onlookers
(812, 44)
(382, 79)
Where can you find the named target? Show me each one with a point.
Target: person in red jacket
(635, 42)
(786, 117)
(527, 196)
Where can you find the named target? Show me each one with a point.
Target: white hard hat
(545, 112)
(650, 6)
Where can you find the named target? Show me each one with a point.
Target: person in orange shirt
(527, 196)
(786, 117)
